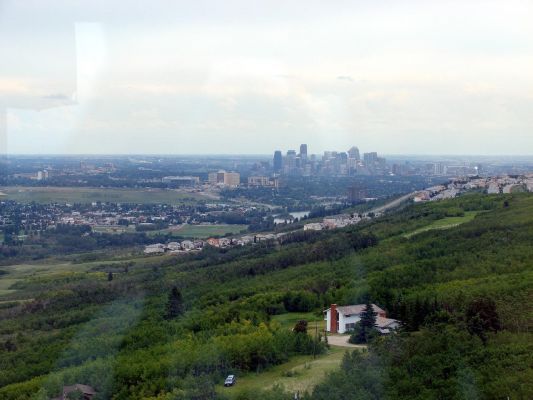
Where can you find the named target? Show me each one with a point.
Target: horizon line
(244, 154)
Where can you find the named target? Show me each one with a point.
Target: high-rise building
(370, 158)
(225, 178)
(303, 151)
(342, 157)
(290, 162)
(278, 161)
(353, 153)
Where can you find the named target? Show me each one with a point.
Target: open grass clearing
(20, 272)
(300, 373)
(316, 326)
(49, 194)
(5, 284)
(444, 223)
(315, 323)
(113, 229)
(201, 231)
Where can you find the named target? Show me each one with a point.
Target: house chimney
(333, 318)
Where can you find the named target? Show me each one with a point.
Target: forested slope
(464, 295)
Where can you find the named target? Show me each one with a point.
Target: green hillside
(463, 290)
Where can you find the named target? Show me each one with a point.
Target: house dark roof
(382, 322)
(85, 389)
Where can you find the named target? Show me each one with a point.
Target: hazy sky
(415, 77)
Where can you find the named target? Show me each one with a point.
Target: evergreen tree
(365, 329)
(368, 318)
(174, 304)
(110, 276)
(75, 395)
(482, 317)
(301, 326)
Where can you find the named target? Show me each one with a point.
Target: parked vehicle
(230, 380)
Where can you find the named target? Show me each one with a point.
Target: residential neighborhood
(488, 185)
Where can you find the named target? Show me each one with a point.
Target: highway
(394, 203)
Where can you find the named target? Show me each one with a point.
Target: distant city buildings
(331, 163)
(222, 177)
(262, 181)
(352, 163)
(42, 175)
(181, 180)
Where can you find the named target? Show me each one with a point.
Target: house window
(350, 327)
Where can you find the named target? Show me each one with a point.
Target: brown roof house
(86, 391)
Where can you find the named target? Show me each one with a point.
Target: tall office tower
(354, 153)
(303, 151)
(290, 162)
(370, 158)
(278, 161)
(439, 169)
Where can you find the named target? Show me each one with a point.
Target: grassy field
(114, 229)
(89, 195)
(301, 374)
(288, 320)
(202, 231)
(445, 223)
(20, 272)
(5, 284)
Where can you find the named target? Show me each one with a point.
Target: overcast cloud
(413, 77)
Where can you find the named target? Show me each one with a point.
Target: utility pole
(316, 338)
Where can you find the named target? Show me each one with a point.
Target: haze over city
(266, 200)
(406, 77)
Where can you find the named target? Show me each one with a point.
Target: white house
(187, 245)
(341, 319)
(314, 226)
(172, 246)
(154, 248)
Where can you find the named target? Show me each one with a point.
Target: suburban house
(342, 319)
(213, 242)
(87, 392)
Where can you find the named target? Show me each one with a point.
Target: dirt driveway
(342, 341)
